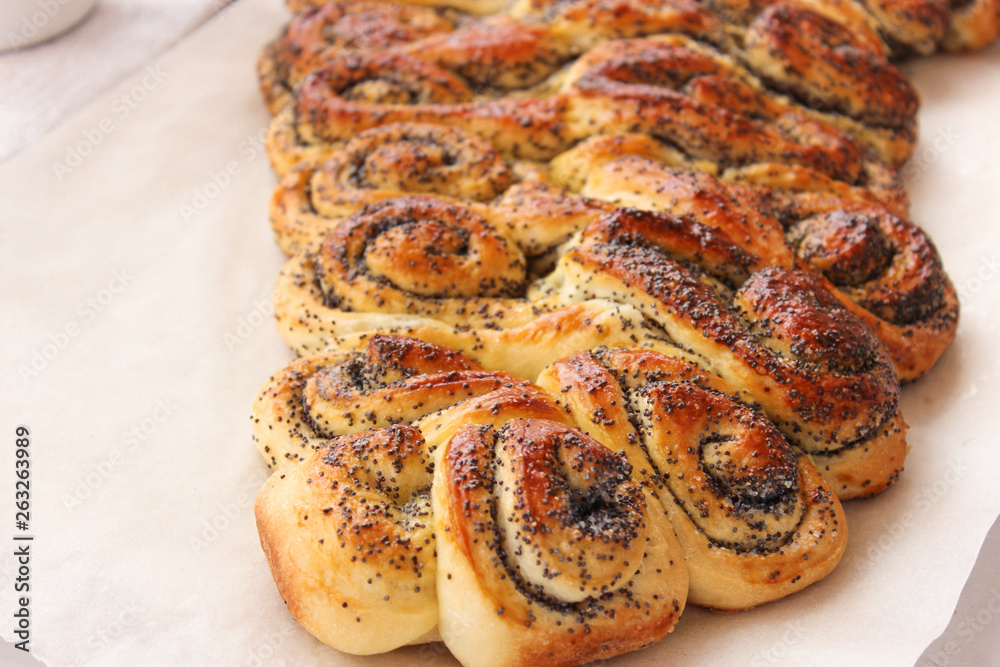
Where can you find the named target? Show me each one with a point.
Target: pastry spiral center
(571, 516)
(735, 474)
(416, 254)
(405, 166)
(848, 248)
(424, 258)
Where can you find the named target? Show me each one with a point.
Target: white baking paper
(136, 286)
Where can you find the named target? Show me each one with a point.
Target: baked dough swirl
(360, 537)
(897, 28)
(496, 54)
(815, 369)
(754, 517)
(382, 381)
(672, 87)
(706, 105)
(505, 52)
(359, 91)
(384, 162)
(586, 23)
(820, 61)
(372, 379)
(882, 267)
(831, 55)
(404, 262)
(549, 552)
(349, 537)
(354, 92)
(323, 32)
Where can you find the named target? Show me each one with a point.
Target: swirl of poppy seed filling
(420, 255)
(314, 34)
(389, 79)
(396, 380)
(886, 265)
(820, 62)
(820, 374)
(416, 158)
(700, 104)
(569, 518)
(737, 481)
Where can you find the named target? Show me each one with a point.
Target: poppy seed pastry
(604, 308)
(754, 517)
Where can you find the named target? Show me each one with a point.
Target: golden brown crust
(609, 393)
(359, 91)
(352, 546)
(754, 517)
(586, 23)
(458, 167)
(500, 54)
(385, 162)
(888, 273)
(694, 100)
(973, 25)
(777, 333)
(819, 60)
(713, 80)
(707, 92)
(892, 27)
(496, 54)
(882, 267)
(689, 282)
(321, 33)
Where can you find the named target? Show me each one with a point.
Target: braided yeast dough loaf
(604, 307)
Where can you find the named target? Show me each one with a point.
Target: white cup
(27, 22)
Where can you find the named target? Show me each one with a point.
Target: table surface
(42, 87)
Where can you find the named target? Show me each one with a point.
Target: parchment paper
(137, 331)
